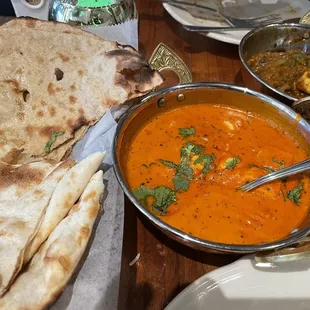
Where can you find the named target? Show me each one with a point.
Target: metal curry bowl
(206, 93)
(274, 37)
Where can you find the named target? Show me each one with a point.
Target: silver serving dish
(274, 37)
(203, 93)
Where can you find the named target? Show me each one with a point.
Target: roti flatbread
(67, 192)
(56, 81)
(20, 216)
(52, 266)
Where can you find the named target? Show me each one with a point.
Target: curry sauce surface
(212, 208)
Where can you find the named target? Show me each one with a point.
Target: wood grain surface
(165, 267)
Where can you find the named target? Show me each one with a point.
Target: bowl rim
(245, 64)
(191, 240)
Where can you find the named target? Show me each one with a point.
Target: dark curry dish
(287, 71)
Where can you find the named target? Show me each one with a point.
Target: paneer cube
(303, 83)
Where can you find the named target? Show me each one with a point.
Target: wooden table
(165, 267)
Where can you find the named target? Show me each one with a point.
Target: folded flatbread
(67, 192)
(22, 212)
(54, 263)
(56, 81)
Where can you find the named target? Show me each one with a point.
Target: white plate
(246, 285)
(288, 9)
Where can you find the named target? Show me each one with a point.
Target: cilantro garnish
(280, 163)
(206, 161)
(295, 194)
(168, 163)
(232, 162)
(183, 171)
(197, 149)
(180, 182)
(187, 132)
(48, 145)
(268, 170)
(164, 197)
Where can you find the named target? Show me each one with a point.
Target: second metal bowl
(271, 37)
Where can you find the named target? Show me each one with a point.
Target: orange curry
(186, 164)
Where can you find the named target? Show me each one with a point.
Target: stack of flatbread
(56, 81)
(47, 212)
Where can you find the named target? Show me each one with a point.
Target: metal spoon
(285, 172)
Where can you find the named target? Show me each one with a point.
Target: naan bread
(67, 192)
(16, 180)
(56, 81)
(21, 215)
(54, 263)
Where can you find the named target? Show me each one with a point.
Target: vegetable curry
(186, 164)
(287, 71)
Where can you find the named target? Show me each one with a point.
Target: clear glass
(67, 11)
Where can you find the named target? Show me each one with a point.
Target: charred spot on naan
(72, 99)
(91, 195)
(52, 111)
(38, 193)
(14, 84)
(83, 235)
(93, 211)
(12, 156)
(84, 232)
(133, 69)
(141, 75)
(80, 72)
(47, 131)
(53, 89)
(20, 115)
(26, 95)
(40, 113)
(59, 74)
(24, 176)
(73, 87)
(75, 125)
(65, 262)
(63, 57)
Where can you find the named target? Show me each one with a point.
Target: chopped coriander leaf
(48, 145)
(164, 197)
(280, 163)
(206, 160)
(168, 163)
(197, 149)
(268, 170)
(185, 169)
(186, 132)
(186, 151)
(180, 182)
(232, 162)
(295, 194)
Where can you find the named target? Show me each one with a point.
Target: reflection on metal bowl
(202, 93)
(274, 37)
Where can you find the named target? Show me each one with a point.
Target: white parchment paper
(95, 284)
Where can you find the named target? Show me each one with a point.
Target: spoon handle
(291, 170)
